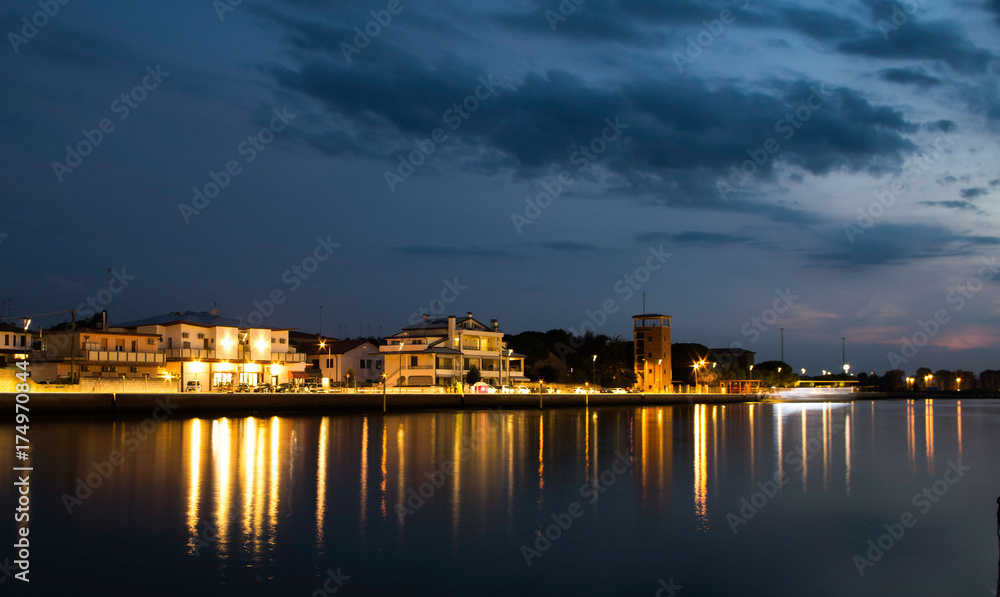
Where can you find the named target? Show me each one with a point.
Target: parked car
(506, 390)
(579, 390)
(242, 388)
(618, 391)
(521, 390)
(284, 387)
(551, 390)
(263, 388)
(481, 387)
(193, 386)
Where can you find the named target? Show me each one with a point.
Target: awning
(299, 375)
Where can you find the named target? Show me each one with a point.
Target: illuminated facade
(15, 343)
(652, 352)
(438, 352)
(217, 351)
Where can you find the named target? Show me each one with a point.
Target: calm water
(266, 506)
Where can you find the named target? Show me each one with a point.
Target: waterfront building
(439, 351)
(331, 359)
(218, 352)
(16, 343)
(651, 333)
(115, 353)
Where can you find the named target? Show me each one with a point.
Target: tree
(920, 378)
(893, 380)
(682, 359)
(473, 376)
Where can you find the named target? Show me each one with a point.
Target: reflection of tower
(652, 352)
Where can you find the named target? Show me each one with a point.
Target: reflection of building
(86, 353)
(332, 359)
(15, 343)
(732, 358)
(437, 352)
(218, 351)
(652, 352)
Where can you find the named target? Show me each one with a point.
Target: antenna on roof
(643, 302)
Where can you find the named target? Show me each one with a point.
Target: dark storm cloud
(568, 246)
(695, 237)
(678, 130)
(817, 23)
(897, 244)
(966, 205)
(922, 41)
(445, 251)
(973, 193)
(910, 76)
(945, 126)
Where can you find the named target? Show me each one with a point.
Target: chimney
(426, 316)
(495, 325)
(451, 329)
(468, 314)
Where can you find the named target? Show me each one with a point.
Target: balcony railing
(189, 353)
(288, 357)
(114, 356)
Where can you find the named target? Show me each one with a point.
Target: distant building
(652, 352)
(331, 358)
(219, 351)
(732, 358)
(439, 351)
(16, 343)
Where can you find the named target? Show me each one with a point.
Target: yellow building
(652, 352)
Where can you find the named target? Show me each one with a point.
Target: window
(413, 361)
(329, 363)
(6, 339)
(361, 364)
(135, 345)
(281, 340)
(185, 335)
(272, 340)
(378, 364)
(23, 341)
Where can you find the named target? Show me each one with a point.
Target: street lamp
(658, 376)
(847, 368)
(594, 370)
(696, 367)
(958, 381)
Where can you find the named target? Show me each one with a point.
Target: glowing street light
(847, 368)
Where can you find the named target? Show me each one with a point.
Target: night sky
(836, 160)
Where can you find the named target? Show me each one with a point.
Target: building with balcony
(653, 371)
(439, 351)
(331, 359)
(16, 343)
(219, 351)
(94, 353)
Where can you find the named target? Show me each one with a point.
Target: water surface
(749, 499)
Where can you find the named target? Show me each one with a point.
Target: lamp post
(958, 384)
(594, 369)
(658, 377)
